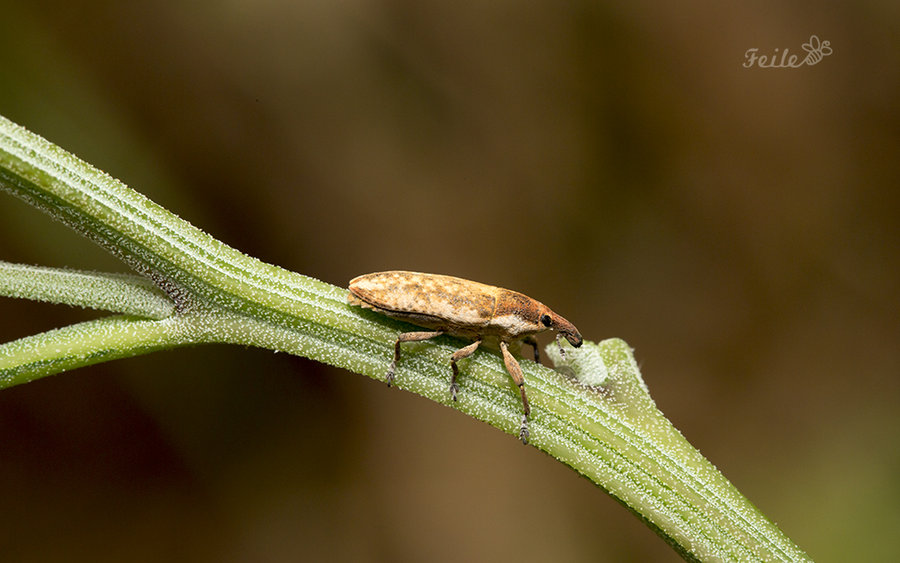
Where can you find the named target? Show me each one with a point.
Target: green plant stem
(611, 433)
(117, 293)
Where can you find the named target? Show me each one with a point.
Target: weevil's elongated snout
(574, 338)
(568, 330)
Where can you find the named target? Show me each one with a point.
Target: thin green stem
(86, 343)
(116, 293)
(599, 420)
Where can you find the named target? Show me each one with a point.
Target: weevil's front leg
(515, 371)
(407, 337)
(457, 356)
(532, 341)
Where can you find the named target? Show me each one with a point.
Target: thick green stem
(599, 420)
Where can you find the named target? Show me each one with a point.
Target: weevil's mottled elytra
(448, 305)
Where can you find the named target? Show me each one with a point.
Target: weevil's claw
(523, 430)
(454, 389)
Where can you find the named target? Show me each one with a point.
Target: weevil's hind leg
(515, 371)
(407, 337)
(532, 341)
(457, 356)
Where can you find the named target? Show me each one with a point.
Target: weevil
(458, 307)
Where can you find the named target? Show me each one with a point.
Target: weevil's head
(556, 322)
(518, 315)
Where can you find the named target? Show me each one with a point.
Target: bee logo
(816, 50)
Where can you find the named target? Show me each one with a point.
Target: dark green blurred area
(738, 227)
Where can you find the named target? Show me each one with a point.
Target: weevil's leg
(457, 356)
(407, 337)
(515, 371)
(532, 341)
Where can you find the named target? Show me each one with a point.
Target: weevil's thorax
(516, 315)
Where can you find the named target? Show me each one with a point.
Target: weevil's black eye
(546, 320)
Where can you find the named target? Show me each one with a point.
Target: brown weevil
(458, 307)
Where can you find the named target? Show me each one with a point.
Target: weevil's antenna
(559, 338)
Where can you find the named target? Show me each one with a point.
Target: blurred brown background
(738, 227)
